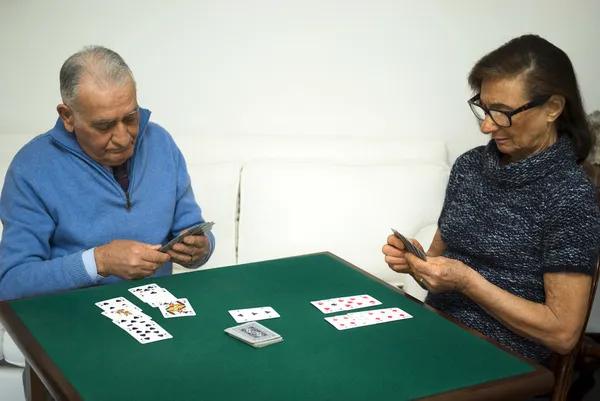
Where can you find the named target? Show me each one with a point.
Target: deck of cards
(409, 247)
(158, 297)
(200, 229)
(130, 318)
(254, 334)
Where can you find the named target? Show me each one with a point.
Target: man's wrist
(99, 257)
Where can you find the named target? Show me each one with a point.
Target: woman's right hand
(394, 254)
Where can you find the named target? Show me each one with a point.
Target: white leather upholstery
(289, 208)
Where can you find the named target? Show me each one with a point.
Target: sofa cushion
(293, 208)
(12, 354)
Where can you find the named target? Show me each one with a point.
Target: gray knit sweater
(514, 223)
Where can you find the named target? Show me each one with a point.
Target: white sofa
(278, 196)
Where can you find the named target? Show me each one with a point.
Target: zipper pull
(127, 201)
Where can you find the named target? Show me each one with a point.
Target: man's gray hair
(103, 65)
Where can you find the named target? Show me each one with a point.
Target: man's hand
(395, 254)
(130, 260)
(192, 250)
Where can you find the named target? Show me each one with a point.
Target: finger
(196, 240)
(395, 261)
(416, 243)
(189, 249)
(155, 257)
(395, 242)
(414, 262)
(178, 257)
(400, 268)
(389, 250)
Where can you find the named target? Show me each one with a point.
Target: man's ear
(66, 115)
(555, 105)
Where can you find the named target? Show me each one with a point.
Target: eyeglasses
(499, 117)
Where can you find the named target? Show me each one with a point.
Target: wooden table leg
(37, 390)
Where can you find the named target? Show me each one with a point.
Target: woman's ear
(555, 106)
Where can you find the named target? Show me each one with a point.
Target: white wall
(305, 67)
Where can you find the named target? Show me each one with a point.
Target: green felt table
(80, 354)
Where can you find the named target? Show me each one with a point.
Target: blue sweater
(57, 203)
(513, 224)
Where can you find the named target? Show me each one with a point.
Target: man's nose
(121, 136)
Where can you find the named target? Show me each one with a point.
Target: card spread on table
(116, 303)
(253, 314)
(367, 318)
(140, 326)
(254, 334)
(345, 303)
(145, 331)
(152, 294)
(131, 319)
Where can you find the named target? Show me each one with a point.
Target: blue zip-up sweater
(57, 203)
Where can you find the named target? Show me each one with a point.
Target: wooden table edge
(540, 381)
(57, 384)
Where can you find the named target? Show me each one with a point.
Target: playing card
(116, 303)
(158, 296)
(253, 333)
(152, 294)
(139, 291)
(409, 247)
(345, 303)
(145, 331)
(200, 229)
(177, 308)
(344, 322)
(380, 315)
(253, 314)
(125, 314)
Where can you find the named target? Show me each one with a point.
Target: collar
(557, 157)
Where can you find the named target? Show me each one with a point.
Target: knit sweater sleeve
(26, 266)
(187, 211)
(572, 232)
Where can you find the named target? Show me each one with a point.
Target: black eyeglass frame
(537, 101)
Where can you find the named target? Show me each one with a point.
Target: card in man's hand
(409, 247)
(200, 229)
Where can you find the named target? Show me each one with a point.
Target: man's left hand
(192, 250)
(440, 274)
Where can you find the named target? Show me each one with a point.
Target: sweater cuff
(75, 269)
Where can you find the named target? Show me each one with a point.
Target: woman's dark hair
(548, 71)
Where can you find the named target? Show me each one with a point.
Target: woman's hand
(439, 274)
(395, 254)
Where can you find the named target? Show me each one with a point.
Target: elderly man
(91, 201)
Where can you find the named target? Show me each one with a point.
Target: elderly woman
(518, 234)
